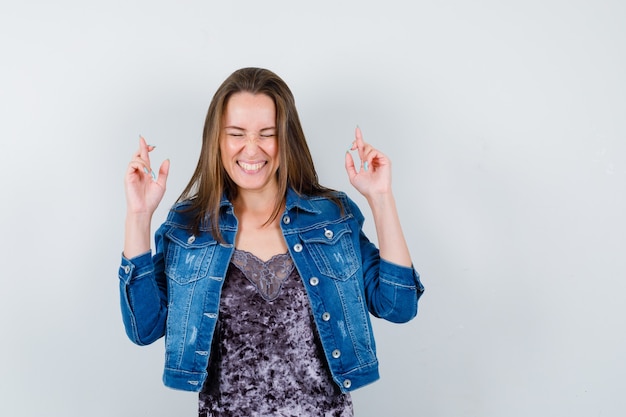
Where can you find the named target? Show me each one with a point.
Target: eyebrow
(241, 128)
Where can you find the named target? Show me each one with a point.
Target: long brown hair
(210, 182)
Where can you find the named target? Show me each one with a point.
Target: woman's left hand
(374, 175)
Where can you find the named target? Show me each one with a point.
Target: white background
(504, 120)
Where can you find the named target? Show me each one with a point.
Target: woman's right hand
(144, 190)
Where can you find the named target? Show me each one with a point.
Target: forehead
(245, 108)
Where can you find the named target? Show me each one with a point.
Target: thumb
(164, 170)
(350, 169)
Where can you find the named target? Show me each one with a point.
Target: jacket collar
(293, 200)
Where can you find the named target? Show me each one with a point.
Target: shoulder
(181, 215)
(336, 204)
(179, 227)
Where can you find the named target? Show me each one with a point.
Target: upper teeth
(251, 167)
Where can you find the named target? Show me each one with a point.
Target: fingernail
(365, 165)
(153, 175)
(145, 170)
(152, 146)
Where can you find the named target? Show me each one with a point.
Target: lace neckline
(267, 276)
(252, 255)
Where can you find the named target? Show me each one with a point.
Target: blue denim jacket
(176, 292)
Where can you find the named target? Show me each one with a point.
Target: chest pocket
(188, 256)
(332, 250)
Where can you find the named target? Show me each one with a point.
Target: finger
(137, 153)
(364, 149)
(143, 150)
(139, 165)
(358, 141)
(380, 160)
(137, 168)
(349, 163)
(358, 134)
(366, 161)
(143, 155)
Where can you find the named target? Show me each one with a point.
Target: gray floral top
(267, 359)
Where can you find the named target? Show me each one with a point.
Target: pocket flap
(329, 234)
(186, 239)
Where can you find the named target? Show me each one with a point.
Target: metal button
(127, 269)
(286, 219)
(336, 353)
(314, 281)
(297, 247)
(191, 239)
(347, 383)
(326, 316)
(328, 233)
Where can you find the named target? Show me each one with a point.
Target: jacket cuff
(135, 267)
(400, 275)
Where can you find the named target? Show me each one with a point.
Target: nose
(252, 137)
(251, 143)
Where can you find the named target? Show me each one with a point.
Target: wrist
(137, 235)
(138, 218)
(381, 201)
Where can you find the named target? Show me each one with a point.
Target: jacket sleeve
(143, 294)
(391, 291)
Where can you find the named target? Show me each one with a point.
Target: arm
(373, 180)
(143, 194)
(143, 292)
(143, 297)
(392, 285)
(391, 290)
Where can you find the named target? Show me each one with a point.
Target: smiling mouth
(251, 167)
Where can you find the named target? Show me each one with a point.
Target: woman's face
(248, 142)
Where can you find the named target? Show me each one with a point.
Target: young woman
(262, 280)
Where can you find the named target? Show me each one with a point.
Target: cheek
(225, 156)
(227, 150)
(272, 149)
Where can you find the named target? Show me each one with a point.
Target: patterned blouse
(267, 359)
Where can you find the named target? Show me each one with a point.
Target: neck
(255, 206)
